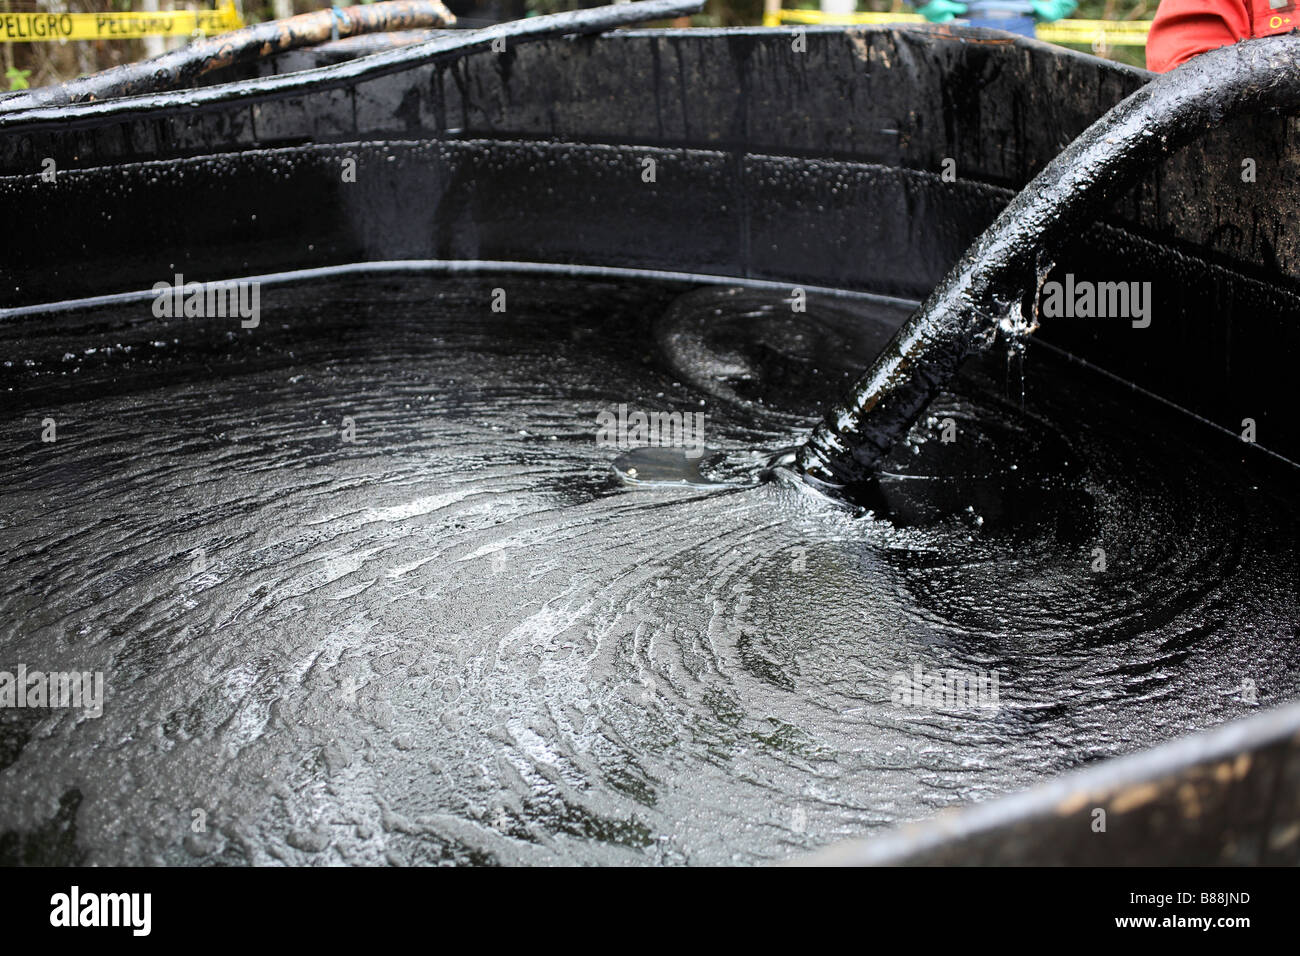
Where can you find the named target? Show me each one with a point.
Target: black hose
(965, 309)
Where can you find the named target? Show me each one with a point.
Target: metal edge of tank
(1228, 796)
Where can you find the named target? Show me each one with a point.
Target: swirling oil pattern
(363, 588)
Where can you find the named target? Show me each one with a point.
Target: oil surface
(458, 638)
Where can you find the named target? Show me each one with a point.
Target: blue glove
(941, 11)
(1049, 11)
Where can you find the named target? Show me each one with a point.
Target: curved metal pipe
(568, 23)
(181, 67)
(1209, 799)
(964, 310)
(24, 107)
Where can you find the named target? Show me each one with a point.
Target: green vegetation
(17, 78)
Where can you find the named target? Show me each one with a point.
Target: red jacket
(1184, 28)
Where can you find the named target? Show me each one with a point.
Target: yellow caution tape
(1094, 33)
(38, 27)
(817, 16)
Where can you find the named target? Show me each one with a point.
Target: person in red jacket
(1183, 29)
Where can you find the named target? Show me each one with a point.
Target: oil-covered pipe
(179, 68)
(568, 23)
(964, 311)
